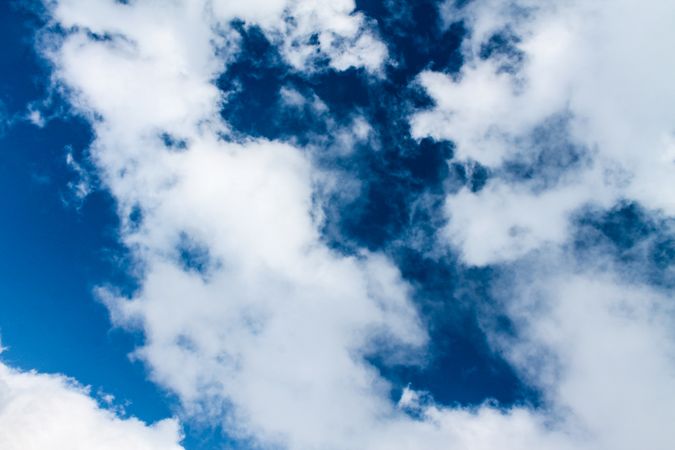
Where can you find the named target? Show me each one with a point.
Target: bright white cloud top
(39, 411)
(269, 340)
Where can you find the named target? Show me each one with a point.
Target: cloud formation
(565, 71)
(260, 327)
(39, 411)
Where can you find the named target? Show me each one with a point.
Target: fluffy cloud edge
(554, 77)
(39, 411)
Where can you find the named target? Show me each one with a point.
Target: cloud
(308, 30)
(599, 345)
(258, 326)
(528, 63)
(39, 411)
(270, 311)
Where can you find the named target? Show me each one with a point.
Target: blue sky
(57, 249)
(371, 224)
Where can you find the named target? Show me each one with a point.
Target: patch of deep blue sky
(56, 248)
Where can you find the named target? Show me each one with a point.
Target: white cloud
(277, 326)
(596, 343)
(502, 222)
(308, 29)
(36, 118)
(292, 97)
(266, 333)
(600, 345)
(82, 185)
(39, 411)
(578, 60)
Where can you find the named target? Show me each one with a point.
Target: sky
(356, 224)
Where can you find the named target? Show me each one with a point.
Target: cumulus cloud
(260, 327)
(39, 411)
(307, 31)
(599, 345)
(528, 63)
(314, 29)
(248, 316)
(559, 102)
